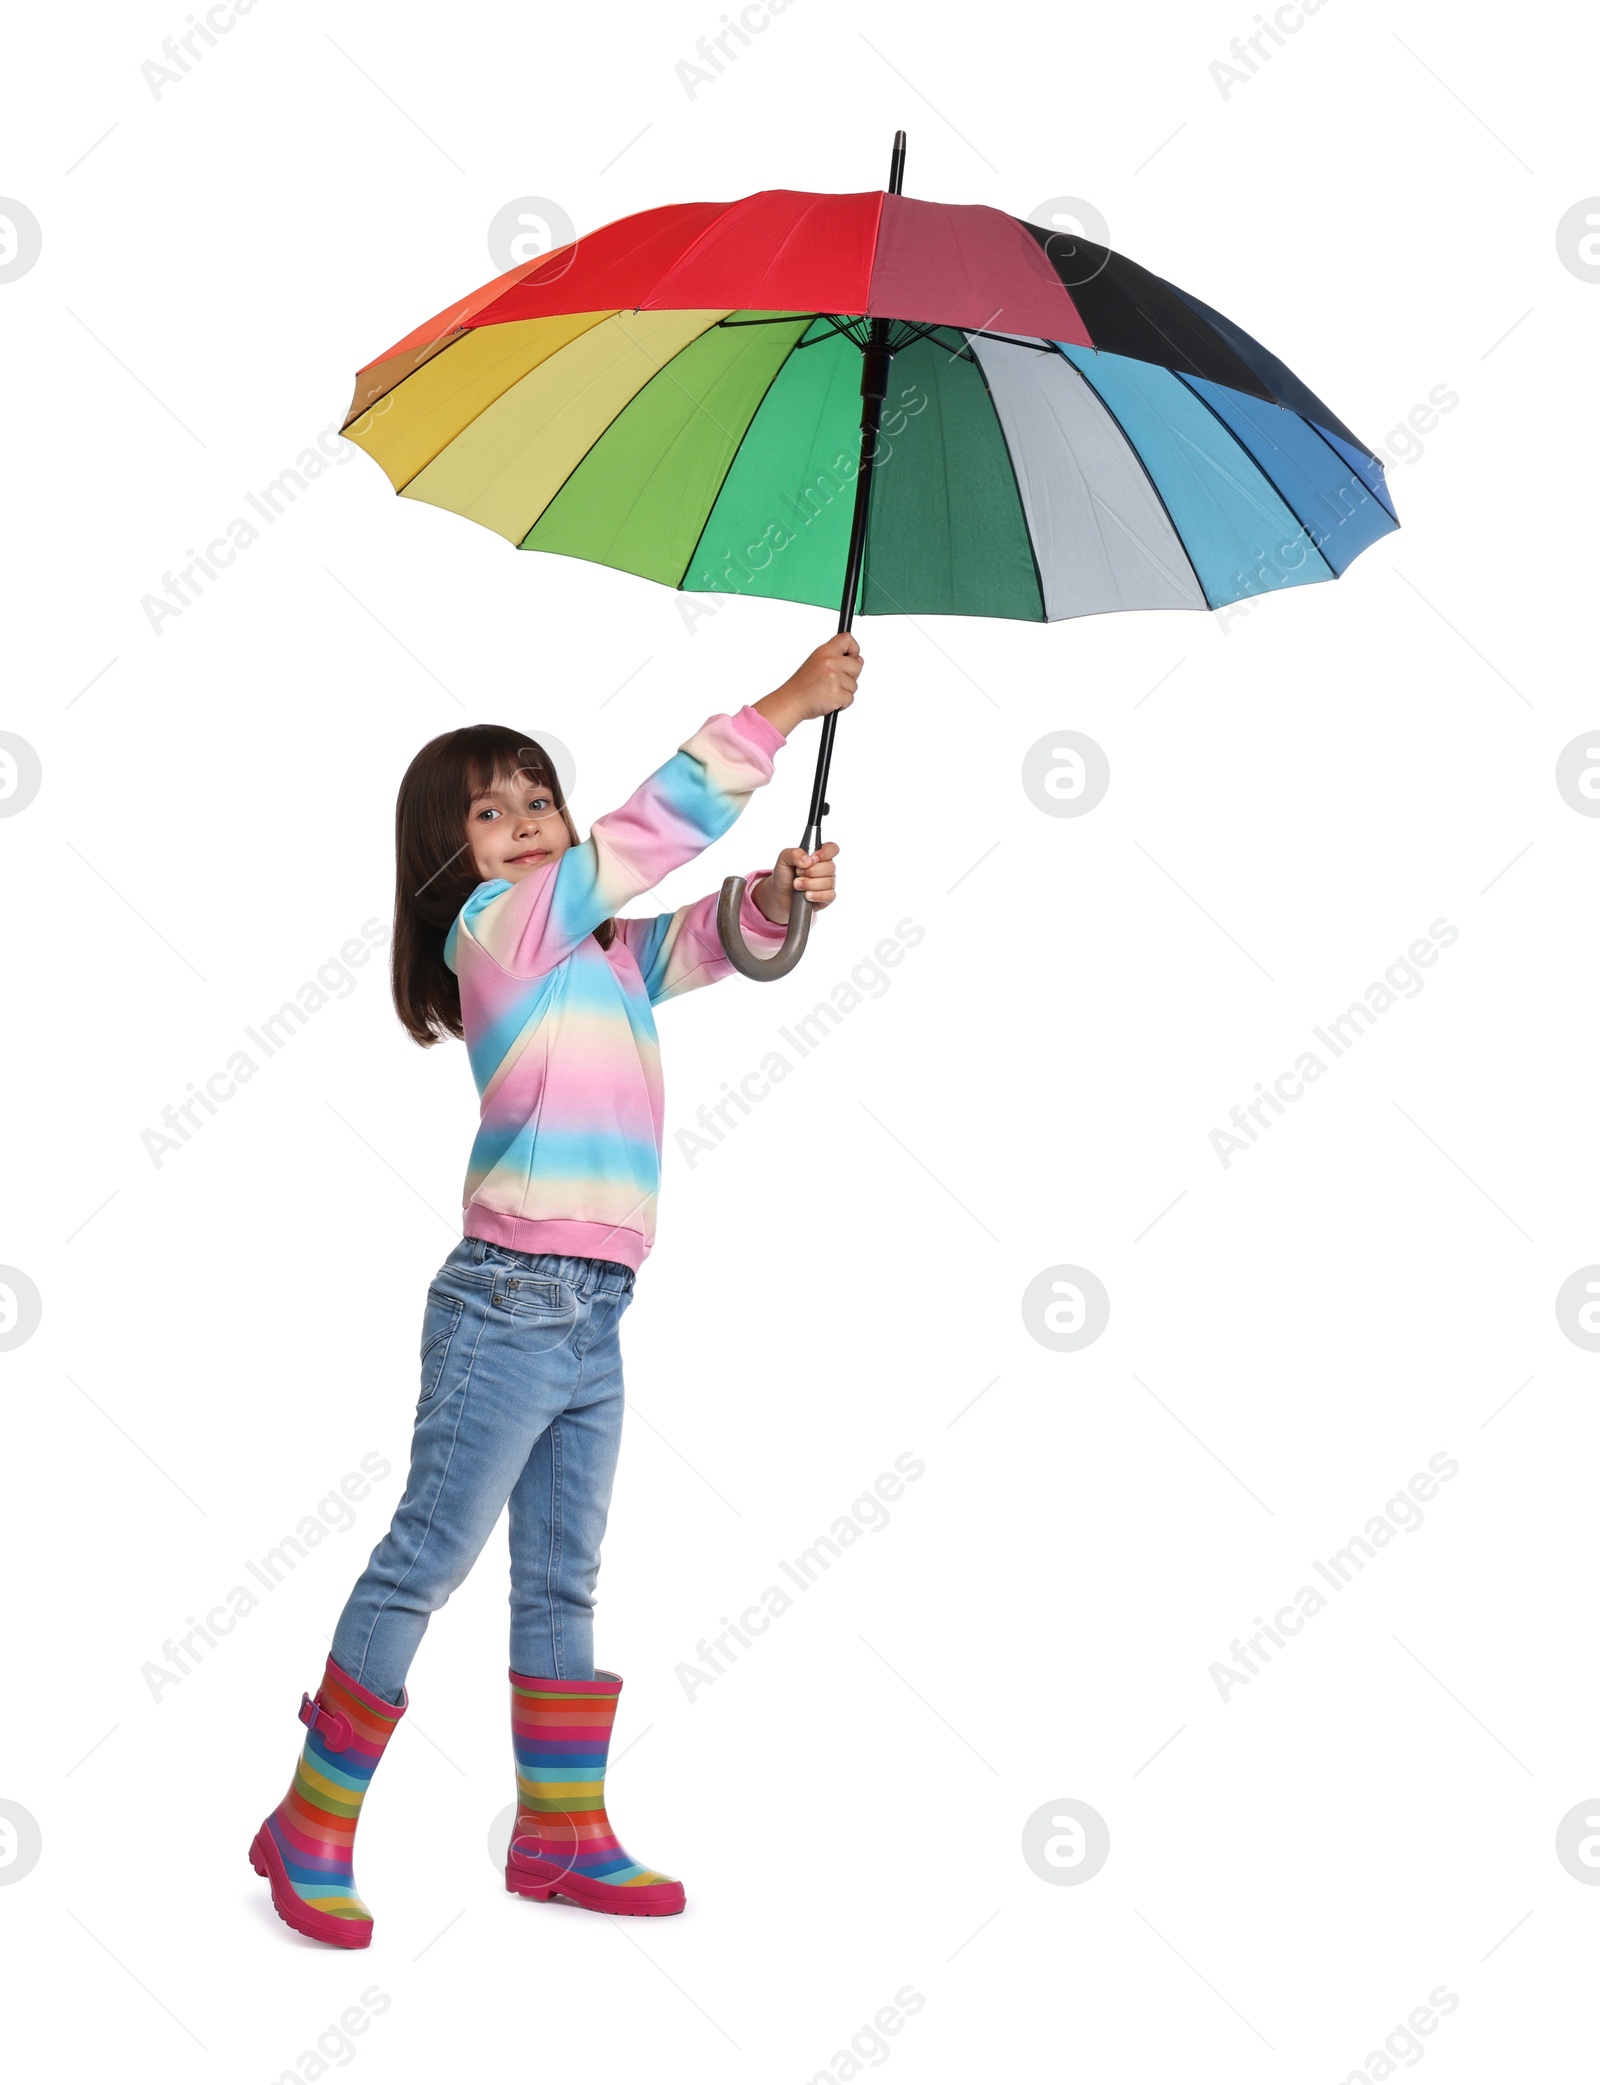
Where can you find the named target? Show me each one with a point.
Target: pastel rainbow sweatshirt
(559, 1031)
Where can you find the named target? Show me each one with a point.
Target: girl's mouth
(536, 854)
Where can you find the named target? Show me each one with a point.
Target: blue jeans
(521, 1400)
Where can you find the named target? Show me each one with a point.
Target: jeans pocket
(439, 1322)
(537, 1298)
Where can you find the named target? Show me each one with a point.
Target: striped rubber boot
(562, 1843)
(305, 1847)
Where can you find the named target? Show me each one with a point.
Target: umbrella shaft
(875, 360)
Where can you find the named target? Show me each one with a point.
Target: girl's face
(513, 828)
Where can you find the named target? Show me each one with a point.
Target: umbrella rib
(1241, 487)
(489, 404)
(1099, 507)
(456, 327)
(1381, 490)
(776, 318)
(732, 460)
(1260, 467)
(1265, 384)
(922, 330)
(1016, 482)
(1133, 450)
(665, 369)
(1188, 360)
(423, 356)
(1099, 510)
(615, 417)
(1038, 343)
(830, 319)
(719, 223)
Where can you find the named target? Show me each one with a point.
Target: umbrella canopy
(955, 411)
(678, 395)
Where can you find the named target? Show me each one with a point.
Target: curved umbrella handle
(764, 969)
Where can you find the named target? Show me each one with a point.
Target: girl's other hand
(811, 874)
(824, 682)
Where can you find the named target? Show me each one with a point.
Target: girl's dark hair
(434, 870)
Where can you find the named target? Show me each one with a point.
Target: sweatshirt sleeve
(530, 926)
(678, 951)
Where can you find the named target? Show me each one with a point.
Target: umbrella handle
(764, 969)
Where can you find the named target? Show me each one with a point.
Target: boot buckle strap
(332, 1726)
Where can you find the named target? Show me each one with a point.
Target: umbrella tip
(897, 162)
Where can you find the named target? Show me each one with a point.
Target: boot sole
(661, 1900)
(293, 1910)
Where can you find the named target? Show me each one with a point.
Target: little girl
(504, 936)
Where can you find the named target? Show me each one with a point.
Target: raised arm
(531, 925)
(679, 951)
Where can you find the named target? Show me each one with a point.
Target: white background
(1293, 1870)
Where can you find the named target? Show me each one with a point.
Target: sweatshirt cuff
(758, 730)
(736, 750)
(752, 919)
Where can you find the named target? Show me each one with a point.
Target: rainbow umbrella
(911, 408)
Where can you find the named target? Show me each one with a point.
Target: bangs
(498, 766)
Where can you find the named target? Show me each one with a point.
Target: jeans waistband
(588, 1277)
